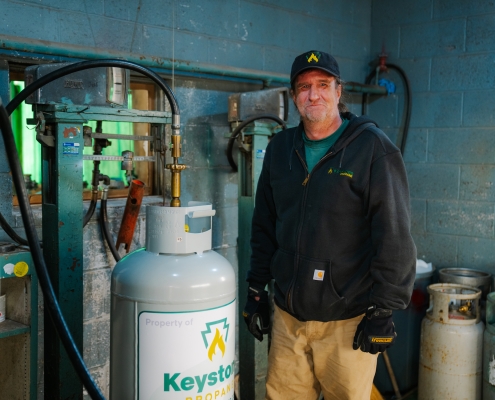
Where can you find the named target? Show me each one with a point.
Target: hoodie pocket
(282, 270)
(314, 295)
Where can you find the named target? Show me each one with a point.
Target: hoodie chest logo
(341, 172)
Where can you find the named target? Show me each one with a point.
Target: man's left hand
(376, 332)
(257, 313)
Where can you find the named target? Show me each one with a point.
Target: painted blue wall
(262, 35)
(447, 50)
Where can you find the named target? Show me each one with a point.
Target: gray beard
(315, 118)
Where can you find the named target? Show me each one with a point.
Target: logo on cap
(313, 57)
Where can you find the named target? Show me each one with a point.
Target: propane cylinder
(468, 277)
(450, 359)
(172, 329)
(489, 350)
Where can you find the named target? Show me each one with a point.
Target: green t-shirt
(316, 149)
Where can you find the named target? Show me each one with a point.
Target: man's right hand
(257, 309)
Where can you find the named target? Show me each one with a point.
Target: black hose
(407, 106)
(402, 139)
(240, 127)
(51, 303)
(12, 234)
(91, 208)
(364, 98)
(106, 230)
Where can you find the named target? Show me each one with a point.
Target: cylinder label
(187, 356)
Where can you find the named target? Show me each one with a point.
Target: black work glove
(375, 332)
(257, 311)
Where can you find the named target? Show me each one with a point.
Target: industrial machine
(61, 110)
(254, 118)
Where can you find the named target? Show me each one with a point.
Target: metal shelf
(12, 328)
(19, 332)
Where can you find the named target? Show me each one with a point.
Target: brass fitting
(465, 307)
(176, 169)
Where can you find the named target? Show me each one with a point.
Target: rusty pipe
(131, 213)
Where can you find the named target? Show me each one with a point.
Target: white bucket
(2, 308)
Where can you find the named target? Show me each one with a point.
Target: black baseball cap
(314, 59)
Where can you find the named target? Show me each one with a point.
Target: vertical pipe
(140, 102)
(392, 375)
(176, 169)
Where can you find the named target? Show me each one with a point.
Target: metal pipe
(391, 375)
(356, 87)
(131, 213)
(86, 52)
(178, 66)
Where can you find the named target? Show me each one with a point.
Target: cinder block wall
(447, 50)
(262, 35)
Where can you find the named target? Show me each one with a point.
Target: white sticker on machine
(187, 355)
(260, 154)
(70, 148)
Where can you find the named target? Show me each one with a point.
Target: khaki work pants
(307, 358)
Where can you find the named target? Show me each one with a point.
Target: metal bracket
(45, 140)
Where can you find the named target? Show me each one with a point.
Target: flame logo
(217, 342)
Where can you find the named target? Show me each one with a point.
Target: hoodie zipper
(296, 261)
(306, 167)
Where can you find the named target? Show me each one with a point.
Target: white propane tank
(450, 359)
(172, 329)
(489, 350)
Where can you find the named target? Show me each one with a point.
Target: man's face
(316, 95)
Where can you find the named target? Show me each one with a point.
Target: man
(331, 227)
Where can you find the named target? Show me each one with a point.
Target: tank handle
(201, 213)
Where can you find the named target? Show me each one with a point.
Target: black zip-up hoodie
(336, 240)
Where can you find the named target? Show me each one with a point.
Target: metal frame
(63, 227)
(252, 354)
